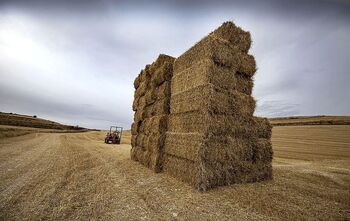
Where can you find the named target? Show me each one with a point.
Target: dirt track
(76, 176)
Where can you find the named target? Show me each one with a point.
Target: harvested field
(21, 120)
(13, 131)
(76, 176)
(310, 120)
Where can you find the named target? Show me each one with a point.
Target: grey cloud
(75, 114)
(277, 108)
(301, 49)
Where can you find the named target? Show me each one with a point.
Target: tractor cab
(114, 135)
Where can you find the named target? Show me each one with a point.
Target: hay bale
(154, 124)
(151, 106)
(233, 34)
(181, 168)
(162, 91)
(145, 75)
(211, 127)
(160, 61)
(159, 107)
(214, 173)
(196, 122)
(210, 137)
(183, 145)
(206, 71)
(228, 149)
(213, 100)
(220, 160)
(134, 128)
(161, 70)
(164, 73)
(219, 51)
(142, 89)
(133, 140)
(263, 152)
(135, 104)
(153, 143)
(263, 127)
(139, 115)
(137, 81)
(147, 159)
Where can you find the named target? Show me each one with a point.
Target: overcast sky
(75, 61)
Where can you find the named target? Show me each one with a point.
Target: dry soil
(77, 176)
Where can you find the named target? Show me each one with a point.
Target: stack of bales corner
(211, 136)
(151, 106)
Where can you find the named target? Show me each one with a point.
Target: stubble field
(76, 176)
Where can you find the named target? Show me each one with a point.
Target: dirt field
(310, 120)
(77, 176)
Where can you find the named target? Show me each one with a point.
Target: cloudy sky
(75, 61)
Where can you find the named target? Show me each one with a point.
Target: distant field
(12, 125)
(310, 120)
(31, 121)
(13, 131)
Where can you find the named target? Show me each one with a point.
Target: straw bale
(205, 175)
(196, 122)
(141, 103)
(211, 99)
(145, 75)
(146, 158)
(228, 149)
(140, 155)
(247, 65)
(137, 81)
(160, 61)
(134, 128)
(235, 35)
(163, 90)
(159, 107)
(135, 104)
(221, 52)
(216, 148)
(153, 143)
(161, 70)
(206, 71)
(156, 163)
(133, 140)
(263, 127)
(142, 89)
(156, 142)
(141, 140)
(217, 173)
(139, 115)
(263, 151)
(162, 74)
(157, 93)
(151, 137)
(150, 97)
(181, 168)
(133, 154)
(184, 145)
(154, 124)
(210, 138)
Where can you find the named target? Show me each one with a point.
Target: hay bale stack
(151, 106)
(212, 137)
